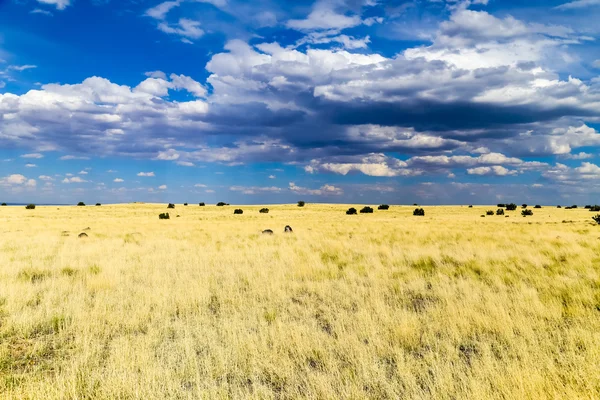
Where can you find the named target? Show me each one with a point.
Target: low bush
(264, 211)
(185, 204)
(366, 210)
(525, 213)
(81, 204)
(301, 204)
(500, 211)
(351, 211)
(597, 219)
(238, 211)
(574, 206)
(471, 206)
(524, 206)
(537, 206)
(30, 207)
(98, 204)
(511, 207)
(171, 205)
(489, 212)
(558, 206)
(501, 205)
(201, 204)
(568, 208)
(587, 207)
(3, 204)
(419, 212)
(595, 208)
(383, 207)
(164, 216)
(221, 204)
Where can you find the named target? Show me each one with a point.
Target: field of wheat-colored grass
(382, 306)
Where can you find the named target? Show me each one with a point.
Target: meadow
(382, 306)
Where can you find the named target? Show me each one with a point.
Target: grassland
(386, 305)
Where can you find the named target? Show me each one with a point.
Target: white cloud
(71, 157)
(272, 176)
(32, 155)
(324, 190)
(185, 163)
(45, 178)
(17, 180)
(60, 4)
(162, 187)
(255, 189)
(21, 67)
(199, 185)
(185, 27)
(74, 179)
(160, 11)
(83, 172)
(323, 16)
(118, 180)
(30, 165)
(493, 170)
(578, 4)
(146, 174)
(40, 11)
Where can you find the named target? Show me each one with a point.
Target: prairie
(382, 306)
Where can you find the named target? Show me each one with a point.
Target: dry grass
(386, 305)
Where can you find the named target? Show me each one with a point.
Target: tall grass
(381, 305)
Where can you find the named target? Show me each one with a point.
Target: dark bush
(524, 206)
(500, 211)
(568, 208)
(185, 204)
(3, 204)
(81, 204)
(201, 204)
(264, 211)
(489, 212)
(511, 207)
(98, 204)
(574, 206)
(221, 204)
(171, 205)
(595, 208)
(301, 204)
(526, 212)
(415, 204)
(558, 206)
(501, 205)
(238, 211)
(597, 219)
(366, 210)
(164, 216)
(471, 206)
(587, 207)
(351, 211)
(537, 206)
(383, 207)
(419, 212)
(30, 207)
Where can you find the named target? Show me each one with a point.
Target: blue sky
(346, 101)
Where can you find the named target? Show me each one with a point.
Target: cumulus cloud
(118, 180)
(325, 190)
(185, 27)
(17, 180)
(146, 174)
(74, 179)
(162, 187)
(494, 170)
(30, 165)
(32, 155)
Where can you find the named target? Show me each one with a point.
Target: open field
(385, 305)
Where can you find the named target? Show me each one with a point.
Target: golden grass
(386, 305)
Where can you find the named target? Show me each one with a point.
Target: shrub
(568, 208)
(500, 211)
(30, 207)
(419, 212)
(185, 204)
(383, 207)
(501, 205)
(526, 212)
(171, 205)
(81, 204)
(98, 204)
(238, 211)
(574, 206)
(221, 204)
(511, 207)
(489, 212)
(415, 204)
(537, 206)
(164, 216)
(301, 204)
(587, 207)
(471, 206)
(597, 219)
(264, 211)
(558, 207)
(351, 211)
(595, 208)
(366, 210)
(201, 204)
(524, 206)
(3, 204)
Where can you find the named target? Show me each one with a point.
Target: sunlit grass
(383, 305)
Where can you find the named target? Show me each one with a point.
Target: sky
(266, 101)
